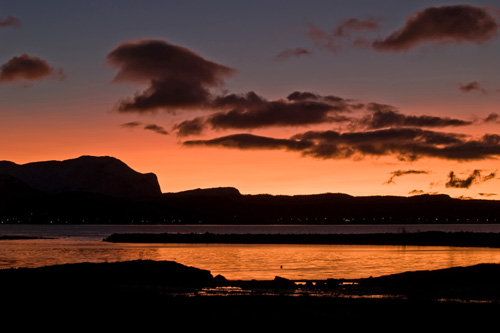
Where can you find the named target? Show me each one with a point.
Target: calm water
(83, 243)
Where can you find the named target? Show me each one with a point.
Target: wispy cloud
(399, 173)
(471, 87)
(492, 118)
(293, 53)
(156, 128)
(10, 21)
(342, 34)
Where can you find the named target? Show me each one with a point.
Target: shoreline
(145, 292)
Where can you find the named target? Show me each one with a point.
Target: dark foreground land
(164, 295)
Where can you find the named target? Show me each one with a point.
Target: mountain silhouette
(99, 175)
(104, 190)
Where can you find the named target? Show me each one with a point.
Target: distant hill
(105, 190)
(90, 174)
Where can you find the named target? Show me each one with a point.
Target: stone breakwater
(430, 238)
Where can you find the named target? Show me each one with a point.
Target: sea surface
(84, 243)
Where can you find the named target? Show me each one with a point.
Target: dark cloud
(416, 192)
(293, 53)
(10, 21)
(399, 173)
(177, 78)
(250, 111)
(384, 116)
(249, 141)
(26, 67)
(190, 127)
(156, 128)
(458, 24)
(150, 127)
(131, 124)
(474, 178)
(487, 194)
(404, 143)
(472, 86)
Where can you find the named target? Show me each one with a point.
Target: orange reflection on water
(239, 261)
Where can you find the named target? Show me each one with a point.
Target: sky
(282, 97)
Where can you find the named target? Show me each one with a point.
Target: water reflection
(252, 261)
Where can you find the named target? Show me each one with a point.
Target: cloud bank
(251, 111)
(406, 144)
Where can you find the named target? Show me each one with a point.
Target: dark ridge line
(427, 238)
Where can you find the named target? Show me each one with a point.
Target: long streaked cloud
(487, 194)
(250, 111)
(384, 116)
(250, 141)
(444, 24)
(407, 144)
(474, 178)
(10, 21)
(400, 173)
(176, 77)
(27, 67)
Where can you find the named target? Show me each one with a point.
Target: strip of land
(428, 238)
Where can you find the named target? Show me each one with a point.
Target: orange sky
(48, 116)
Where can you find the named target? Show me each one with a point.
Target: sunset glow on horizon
(285, 98)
